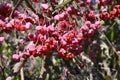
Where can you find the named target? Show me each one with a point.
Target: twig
(31, 7)
(18, 3)
(63, 4)
(46, 67)
(42, 68)
(108, 39)
(15, 70)
(22, 74)
(52, 5)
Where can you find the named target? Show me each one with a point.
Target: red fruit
(27, 25)
(18, 25)
(32, 50)
(63, 25)
(88, 23)
(16, 57)
(29, 19)
(91, 15)
(2, 25)
(21, 16)
(9, 26)
(72, 11)
(83, 4)
(42, 21)
(88, 1)
(36, 1)
(42, 29)
(104, 15)
(69, 56)
(25, 55)
(50, 28)
(44, 50)
(57, 17)
(62, 53)
(112, 15)
(45, 7)
(2, 39)
(30, 37)
(63, 43)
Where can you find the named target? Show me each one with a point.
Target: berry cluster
(60, 34)
(5, 10)
(7, 25)
(65, 38)
(104, 15)
(67, 42)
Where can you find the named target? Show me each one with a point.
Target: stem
(31, 7)
(113, 48)
(63, 4)
(46, 68)
(22, 74)
(53, 7)
(2, 68)
(18, 3)
(113, 25)
(42, 68)
(1, 64)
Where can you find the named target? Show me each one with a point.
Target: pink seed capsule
(2, 39)
(16, 57)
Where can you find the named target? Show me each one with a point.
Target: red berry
(32, 50)
(36, 1)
